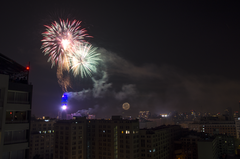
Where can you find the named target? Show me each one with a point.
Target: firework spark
(84, 60)
(60, 38)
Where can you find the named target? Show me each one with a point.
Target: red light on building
(27, 68)
(10, 112)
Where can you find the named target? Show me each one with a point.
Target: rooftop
(16, 72)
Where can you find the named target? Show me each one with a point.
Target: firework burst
(84, 60)
(60, 40)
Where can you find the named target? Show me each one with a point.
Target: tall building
(97, 139)
(158, 142)
(15, 109)
(41, 139)
(226, 145)
(70, 140)
(63, 111)
(195, 145)
(207, 149)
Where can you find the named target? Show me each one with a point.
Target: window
(17, 97)
(16, 116)
(17, 154)
(15, 136)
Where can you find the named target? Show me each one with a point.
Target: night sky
(160, 57)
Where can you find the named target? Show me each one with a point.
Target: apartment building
(70, 139)
(97, 139)
(41, 139)
(15, 109)
(158, 143)
(215, 127)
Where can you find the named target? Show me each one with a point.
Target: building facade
(158, 143)
(97, 139)
(215, 127)
(41, 139)
(15, 109)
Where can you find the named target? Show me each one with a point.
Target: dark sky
(160, 57)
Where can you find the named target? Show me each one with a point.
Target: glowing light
(64, 98)
(65, 44)
(60, 38)
(84, 60)
(126, 106)
(64, 107)
(27, 68)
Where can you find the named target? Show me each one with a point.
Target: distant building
(228, 113)
(226, 145)
(237, 125)
(215, 127)
(144, 114)
(158, 142)
(70, 141)
(155, 122)
(15, 109)
(41, 139)
(197, 146)
(91, 117)
(207, 149)
(91, 138)
(81, 113)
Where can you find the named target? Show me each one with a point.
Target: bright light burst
(84, 60)
(60, 38)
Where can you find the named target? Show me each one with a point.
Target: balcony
(15, 126)
(15, 141)
(16, 117)
(15, 146)
(18, 97)
(15, 137)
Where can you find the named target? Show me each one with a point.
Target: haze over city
(159, 57)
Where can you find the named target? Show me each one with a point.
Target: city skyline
(157, 57)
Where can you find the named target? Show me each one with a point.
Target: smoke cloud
(159, 89)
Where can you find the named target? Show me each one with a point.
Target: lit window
(49, 131)
(153, 150)
(44, 132)
(39, 132)
(133, 132)
(150, 150)
(127, 132)
(104, 131)
(122, 132)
